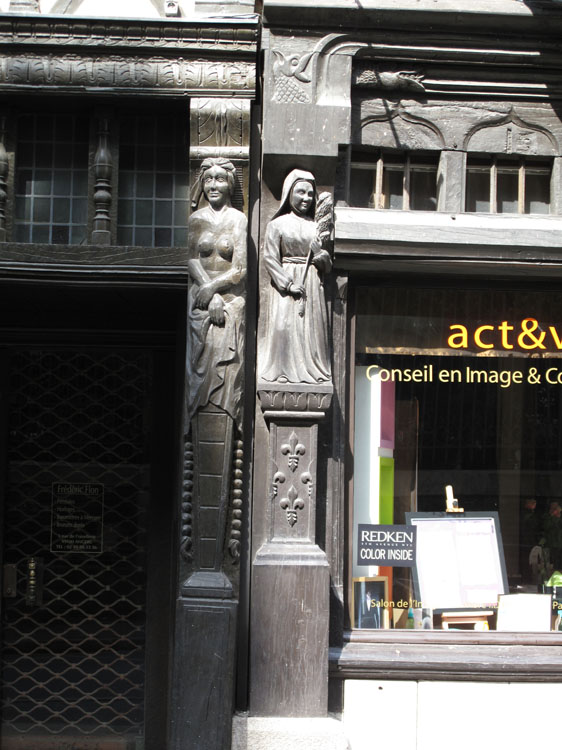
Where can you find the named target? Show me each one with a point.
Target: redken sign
(393, 546)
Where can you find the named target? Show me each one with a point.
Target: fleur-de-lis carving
(291, 504)
(306, 479)
(278, 478)
(293, 449)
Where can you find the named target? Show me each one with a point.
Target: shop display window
(457, 483)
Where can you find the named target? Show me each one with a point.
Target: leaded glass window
(51, 185)
(153, 182)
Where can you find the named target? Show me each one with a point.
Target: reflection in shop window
(459, 389)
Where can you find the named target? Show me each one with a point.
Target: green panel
(386, 490)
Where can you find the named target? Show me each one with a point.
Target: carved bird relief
(285, 70)
(398, 80)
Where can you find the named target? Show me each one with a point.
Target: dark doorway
(87, 545)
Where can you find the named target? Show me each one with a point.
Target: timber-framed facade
(270, 275)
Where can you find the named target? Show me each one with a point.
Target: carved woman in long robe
(216, 307)
(296, 340)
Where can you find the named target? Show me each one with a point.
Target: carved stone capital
(299, 400)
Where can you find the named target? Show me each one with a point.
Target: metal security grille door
(73, 621)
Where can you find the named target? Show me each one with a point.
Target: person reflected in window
(552, 533)
(530, 534)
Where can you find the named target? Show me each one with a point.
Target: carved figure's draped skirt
(214, 367)
(296, 344)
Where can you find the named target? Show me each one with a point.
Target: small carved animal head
(293, 66)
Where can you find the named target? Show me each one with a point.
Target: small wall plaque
(77, 517)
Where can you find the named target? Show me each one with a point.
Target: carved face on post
(302, 197)
(217, 186)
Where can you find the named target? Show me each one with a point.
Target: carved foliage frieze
(127, 73)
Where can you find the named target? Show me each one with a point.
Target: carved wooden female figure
(295, 347)
(214, 380)
(217, 270)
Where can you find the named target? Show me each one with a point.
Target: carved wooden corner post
(289, 654)
(290, 574)
(206, 609)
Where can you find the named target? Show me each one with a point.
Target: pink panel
(387, 415)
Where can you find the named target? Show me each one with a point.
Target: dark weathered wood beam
(450, 659)
(478, 15)
(134, 266)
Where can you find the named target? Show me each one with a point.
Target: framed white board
(460, 562)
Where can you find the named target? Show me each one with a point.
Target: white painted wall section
(405, 715)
